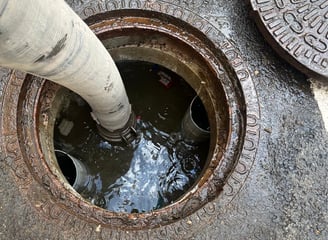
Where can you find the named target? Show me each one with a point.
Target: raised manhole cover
(298, 31)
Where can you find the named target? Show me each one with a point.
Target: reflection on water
(161, 169)
(158, 166)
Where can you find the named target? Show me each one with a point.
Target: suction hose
(47, 39)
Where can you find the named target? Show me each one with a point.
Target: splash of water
(161, 169)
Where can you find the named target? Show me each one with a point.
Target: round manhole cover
(298, 31)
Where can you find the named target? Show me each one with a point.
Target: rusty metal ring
(226, 173)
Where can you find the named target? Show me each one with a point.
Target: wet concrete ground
(285, 195)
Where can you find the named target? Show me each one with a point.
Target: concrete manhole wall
(200, 53)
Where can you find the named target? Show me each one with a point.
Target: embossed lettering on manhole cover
(298, 30)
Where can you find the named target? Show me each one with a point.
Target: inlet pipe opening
(75, 172)
(195, 126)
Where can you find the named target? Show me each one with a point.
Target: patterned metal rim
(77, 212)
(223, 153)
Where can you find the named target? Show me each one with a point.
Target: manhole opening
(159, 166)
(164, 44)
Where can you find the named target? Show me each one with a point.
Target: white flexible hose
(46, 38)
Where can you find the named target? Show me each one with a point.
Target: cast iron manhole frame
(21, 151)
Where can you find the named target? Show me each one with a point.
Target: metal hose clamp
(126, 134)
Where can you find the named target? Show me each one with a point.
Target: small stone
(37, 205)
(268, 130)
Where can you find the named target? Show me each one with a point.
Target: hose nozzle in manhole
(126, 134)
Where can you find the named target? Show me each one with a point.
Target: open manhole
(161, 44)
(137, 178)
(158, 166)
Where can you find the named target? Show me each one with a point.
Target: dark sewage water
(154, 170)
